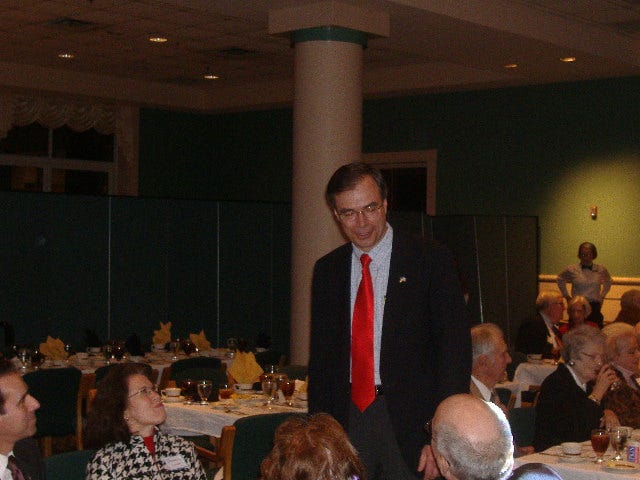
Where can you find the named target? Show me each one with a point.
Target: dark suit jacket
(28, 458)
(532, 337)
(564, 413)
(425, 349)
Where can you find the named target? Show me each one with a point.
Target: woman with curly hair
(122, 424)
(311, 447)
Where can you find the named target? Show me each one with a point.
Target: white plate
(173, 399)
(621, 467)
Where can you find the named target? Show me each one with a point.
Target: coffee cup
(571, 448)
(171, 392)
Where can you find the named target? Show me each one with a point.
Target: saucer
(566, 458)
(178, 399)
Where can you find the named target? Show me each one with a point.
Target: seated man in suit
(19, 453)
(540, 334)
(471, 439)
(489, 361)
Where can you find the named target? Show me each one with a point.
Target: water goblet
(189, 389)
(174, 346)
(269, 386)
(107, 351)
(189, 347)
(288, 386)
(205, 387)
(24, 355)
(118, 350)
(37, 358)
(619, 437)
(599, 443)
(68, 350)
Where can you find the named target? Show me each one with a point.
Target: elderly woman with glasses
(570, 401)
(122, 424)
(623, 353)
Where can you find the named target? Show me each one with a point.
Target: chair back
(68, 465)
(523, 425)
(252, 443)
(102, 371)
(295, 372)
(270, 357)
(57, 391)
(505, 395)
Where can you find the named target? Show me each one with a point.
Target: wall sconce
(593, 211)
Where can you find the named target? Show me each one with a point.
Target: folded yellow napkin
(301, 386)
(200, 341)
(53, 348)
(163, 335)
(244, 368)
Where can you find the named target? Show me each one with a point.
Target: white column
(327, 133)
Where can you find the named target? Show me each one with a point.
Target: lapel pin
(403, 280)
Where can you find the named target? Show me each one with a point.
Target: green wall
(548, 151)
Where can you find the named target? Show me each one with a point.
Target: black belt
(379, 390)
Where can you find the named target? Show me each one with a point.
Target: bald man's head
(471, 439)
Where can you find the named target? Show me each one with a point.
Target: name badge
(175, 462)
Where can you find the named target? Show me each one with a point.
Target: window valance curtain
(55, 112)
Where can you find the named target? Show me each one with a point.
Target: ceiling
(434, 45)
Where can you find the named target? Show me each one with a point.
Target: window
(38, 159)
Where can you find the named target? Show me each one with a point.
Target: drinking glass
(189, 389)
(24, 355)
(225, 391)
(107, 351)
(118, 350)
(189, 347)
(68, 350)
(174, 346)
(619, 436)
(599, 443)
(205, 387)
(269, 386)
(37, 358)
(288, 386)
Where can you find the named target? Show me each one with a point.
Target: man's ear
(443, 464)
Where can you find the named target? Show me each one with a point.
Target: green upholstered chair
(523, 424)
(68, 465)
(57, 391)
(252, 442)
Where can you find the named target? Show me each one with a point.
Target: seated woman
(122, 424)
(578, 309)
(623, 353)
(311, 447)
(568, 407)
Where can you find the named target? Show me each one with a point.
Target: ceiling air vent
(69, 23)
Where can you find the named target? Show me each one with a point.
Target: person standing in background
(383, 378)
(588, 279)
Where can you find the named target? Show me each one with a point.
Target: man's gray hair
(490, 458)
(484, 339)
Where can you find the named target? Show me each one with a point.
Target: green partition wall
(121, 265)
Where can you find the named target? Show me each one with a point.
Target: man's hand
(427, 463)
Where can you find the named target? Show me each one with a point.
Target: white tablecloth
(585, 469)
(189, 420)
(515, 388)
(529, 373)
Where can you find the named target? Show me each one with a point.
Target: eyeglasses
(370, 212)
(595, 357)
(146, 391)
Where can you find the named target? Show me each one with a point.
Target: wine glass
(189, 347)
(205, 387)
(599, 443)
(188, 390)
(37, 358)
(107, 351)
(288, 386)
(618, 437)
(68, 350)
(24, 355)
(174, 346)
(269, 385)
(118, 350)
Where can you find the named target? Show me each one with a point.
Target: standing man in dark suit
(417, 346)
(17, 426)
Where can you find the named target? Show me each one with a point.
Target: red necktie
(363, 390)
(16, 474)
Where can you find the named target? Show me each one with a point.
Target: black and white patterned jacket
(175, 459)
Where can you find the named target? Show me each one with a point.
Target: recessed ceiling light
(568, 59)
(66, 55)
(510, 65)
(157, 39)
